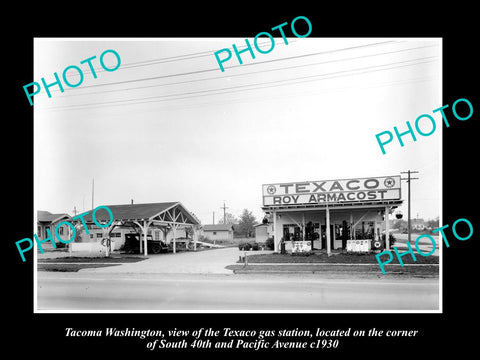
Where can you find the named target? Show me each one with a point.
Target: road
(240, 292)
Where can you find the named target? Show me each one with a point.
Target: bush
(269, 243)
(303, 253)
(391, 238)
(203, 238)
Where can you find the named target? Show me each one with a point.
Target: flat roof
(342, 205)
(218, 227)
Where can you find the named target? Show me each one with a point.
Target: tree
(399, 224)
(433, 223)
(245, 223)
(231, 219)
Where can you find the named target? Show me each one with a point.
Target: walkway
(188, 262)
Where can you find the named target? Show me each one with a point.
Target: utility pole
(93, 191)
(408, 179)
(224, 212)
(74, 211)
(327, 228)
(213, 218)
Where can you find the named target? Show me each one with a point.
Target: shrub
(269, 243)
(60, 245)
(391, 238)
(203, 238)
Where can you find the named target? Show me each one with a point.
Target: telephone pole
(409, 179)
(224, 212)
(93, 191)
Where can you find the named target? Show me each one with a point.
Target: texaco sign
(333, 191)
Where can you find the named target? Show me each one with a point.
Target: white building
(52, 222)
(215, 232)
(329, 213)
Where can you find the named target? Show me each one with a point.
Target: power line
(221, 91)
(262, 98)
(250, 73)
(165, 60)
(225, 90)
(236, 66)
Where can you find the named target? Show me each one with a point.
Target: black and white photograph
(243, 185)
(250, 183)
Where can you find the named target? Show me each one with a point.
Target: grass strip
(346, 258)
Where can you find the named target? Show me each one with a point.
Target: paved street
(198, 281)
(246, 292)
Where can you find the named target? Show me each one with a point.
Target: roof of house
(418, 221)
(149, 211)
(46, 216)
(261, 224)
(218, 227)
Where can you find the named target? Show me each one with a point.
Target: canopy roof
(166, 212)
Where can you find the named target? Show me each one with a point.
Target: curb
(330, 272)
(330, 264)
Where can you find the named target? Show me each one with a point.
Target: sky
(169, 125)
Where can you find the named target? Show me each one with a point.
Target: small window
(60, 232)
(214, 233)
(91, 236)
(99, 235)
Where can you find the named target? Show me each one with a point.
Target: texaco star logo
(389, 182)
(271, 189)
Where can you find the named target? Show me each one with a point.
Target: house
(47, 220)
(418, 224)
(216, 232)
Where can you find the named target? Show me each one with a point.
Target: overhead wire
(164, 60)
(249, 73)
(247, 87)
(232, 67)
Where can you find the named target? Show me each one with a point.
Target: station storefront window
(293, 232)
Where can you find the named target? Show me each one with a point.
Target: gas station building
(332, 214)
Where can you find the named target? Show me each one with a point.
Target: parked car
(248, 246)
(132, 244)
